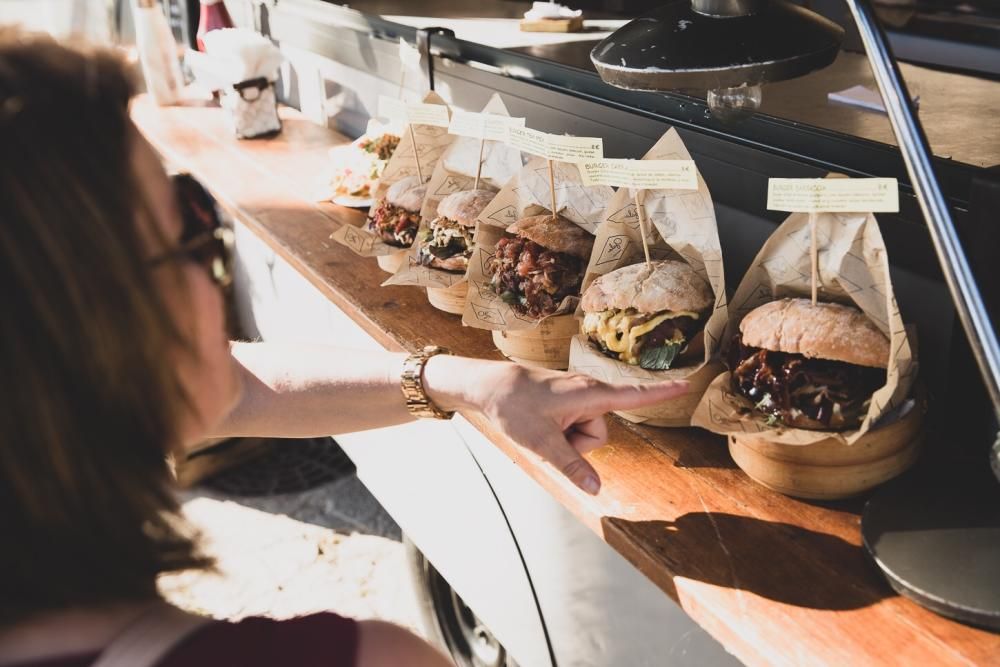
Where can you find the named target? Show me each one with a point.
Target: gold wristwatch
(412, 384)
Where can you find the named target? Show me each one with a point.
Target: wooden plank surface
(776, 580)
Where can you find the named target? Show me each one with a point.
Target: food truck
(704, 546)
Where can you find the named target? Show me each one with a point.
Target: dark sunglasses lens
(210, 243)
(197, 206)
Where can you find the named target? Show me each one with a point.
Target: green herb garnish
(510, 297)
(660, 358)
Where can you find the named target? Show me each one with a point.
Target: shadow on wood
(761, 557)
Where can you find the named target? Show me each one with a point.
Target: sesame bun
(407, 193)
(668, 285)
(557, 234)
(465, 207)
(824, 331)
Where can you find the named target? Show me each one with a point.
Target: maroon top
(318, 640)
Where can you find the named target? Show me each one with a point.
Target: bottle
(157, 53)
(213, 17)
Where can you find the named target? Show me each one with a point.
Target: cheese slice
(616, 331)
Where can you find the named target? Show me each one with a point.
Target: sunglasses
(203, 240)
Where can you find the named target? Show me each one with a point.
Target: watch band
(411, 381)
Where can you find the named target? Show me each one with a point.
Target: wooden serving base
(544, 346)
(391, 263)
(677, 411)
(829, 469)
(553, 25)
(449, 299)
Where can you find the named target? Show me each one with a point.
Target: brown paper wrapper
(456, 172)
(527, 193)
(431, 143)
(853, 269)
(681, 225)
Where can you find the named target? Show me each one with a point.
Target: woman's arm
(312, 390)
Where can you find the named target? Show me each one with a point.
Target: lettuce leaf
(660, 357)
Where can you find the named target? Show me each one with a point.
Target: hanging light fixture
(728, 48)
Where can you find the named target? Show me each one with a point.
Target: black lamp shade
(676, 47)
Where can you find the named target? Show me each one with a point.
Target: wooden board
(778, 581)
(552, 25)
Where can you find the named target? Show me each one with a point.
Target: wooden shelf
(776, 580)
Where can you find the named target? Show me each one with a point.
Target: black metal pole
(917, 157)
(935, 536)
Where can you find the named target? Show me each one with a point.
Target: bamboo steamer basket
(544, 346)
(677, 411)
(390, 263)
(449, 299)
(829, 469)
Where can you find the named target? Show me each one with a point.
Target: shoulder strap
(150, 637)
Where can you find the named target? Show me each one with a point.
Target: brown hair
(92, 404)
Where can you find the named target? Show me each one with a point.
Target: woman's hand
(557, 415)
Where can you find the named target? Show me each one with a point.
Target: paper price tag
(640, 174)
(833, 195)
(482, 125)
(416, 113)
(555, 146)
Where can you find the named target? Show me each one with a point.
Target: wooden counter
(776, 580)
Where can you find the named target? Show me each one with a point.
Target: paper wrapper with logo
(853, 269)
(681, 226)
(431, 143)
(543, 342)
(456, 172)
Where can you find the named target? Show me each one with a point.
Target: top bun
(557, 234)
(407, 193)
(667, 285)
(465, 207)
(824, 331)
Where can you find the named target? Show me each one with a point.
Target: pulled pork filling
(788, 387)
(531, 278)
(650, 341)
(395, 225)
(382, 147)
(445, 239)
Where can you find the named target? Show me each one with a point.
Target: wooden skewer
(479, 165)
(416, 155)
(552, 189)
(814, 257)
(642, 229)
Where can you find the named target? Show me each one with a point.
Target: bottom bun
(456, 264)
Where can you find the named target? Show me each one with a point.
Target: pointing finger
(588, 435)
(630, 397)
(557, 450)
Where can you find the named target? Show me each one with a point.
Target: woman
(114, 345)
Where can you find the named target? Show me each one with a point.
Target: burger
(539, 264)
(396, 217)
(446, 244)
(809, 366)
(648, 315)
